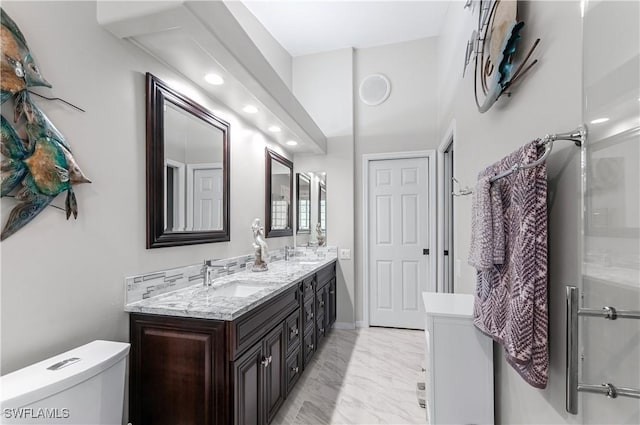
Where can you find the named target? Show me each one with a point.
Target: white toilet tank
(82, 386)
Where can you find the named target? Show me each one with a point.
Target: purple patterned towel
(481, 252)
(511, 298)
(497, 219)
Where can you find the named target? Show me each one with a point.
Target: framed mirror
(303, 203)
(187, 170)
(322, 205)
(279, 195)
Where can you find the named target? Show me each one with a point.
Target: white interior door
(398, 241)
(206, 201)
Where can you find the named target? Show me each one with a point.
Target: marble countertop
(209, 302)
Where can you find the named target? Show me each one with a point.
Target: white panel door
(398, 235)
(207, 199)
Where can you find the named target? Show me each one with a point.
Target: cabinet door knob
(295, 369)
(321, 303)
(332, 292)
(265, 361)
(322, 330)
(310, 346)
(294, 333)
(270, 359)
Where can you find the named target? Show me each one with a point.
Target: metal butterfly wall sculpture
(43, 163)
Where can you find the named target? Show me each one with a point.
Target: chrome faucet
(289, 251)
(208, 271)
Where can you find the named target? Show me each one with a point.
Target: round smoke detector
(375, 89)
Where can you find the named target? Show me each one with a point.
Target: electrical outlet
(345, 254)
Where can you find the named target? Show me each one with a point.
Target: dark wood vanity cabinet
(176, 371)
(212, 372)
(260, 381)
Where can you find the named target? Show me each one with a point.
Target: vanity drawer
(293, 368)
(255, 324)
(293, 331)
(308, 287)
(308, 315)
(325, 275)
(308, 348)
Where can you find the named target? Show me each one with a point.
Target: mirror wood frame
(299, 177)
(322, 187)
(271, 156)
(157, 92)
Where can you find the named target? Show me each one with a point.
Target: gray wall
(546, 101)
(323, 84)
(327, 86)
(62, 281)
(406, 121)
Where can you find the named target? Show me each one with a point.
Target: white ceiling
(306, 27)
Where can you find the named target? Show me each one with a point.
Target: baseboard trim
(361, 324)
(344, 325)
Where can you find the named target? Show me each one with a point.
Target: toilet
(81, 386)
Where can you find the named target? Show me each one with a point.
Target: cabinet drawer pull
(332, 292)
(265, 361)
(295, 369)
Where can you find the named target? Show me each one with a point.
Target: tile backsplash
(147, 285)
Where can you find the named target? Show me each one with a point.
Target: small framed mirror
(279, 195)
(187, 170)
(322, 205)
(303, 202)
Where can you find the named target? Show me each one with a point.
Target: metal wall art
(493, 48)
(43, 163)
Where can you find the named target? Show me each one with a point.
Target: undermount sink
(238, 289)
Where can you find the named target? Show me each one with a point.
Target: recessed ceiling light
(292, 143)
(275, 129)
(599, 120)
(214, 79)
(250, 109)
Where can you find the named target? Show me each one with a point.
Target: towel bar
(573, 386)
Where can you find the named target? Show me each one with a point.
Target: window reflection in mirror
(194, 177)
(279, 178)
(303, 198)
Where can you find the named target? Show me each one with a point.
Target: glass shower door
(610, 349)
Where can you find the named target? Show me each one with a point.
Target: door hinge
(425, 251)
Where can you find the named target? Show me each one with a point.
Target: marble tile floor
(362, 376)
